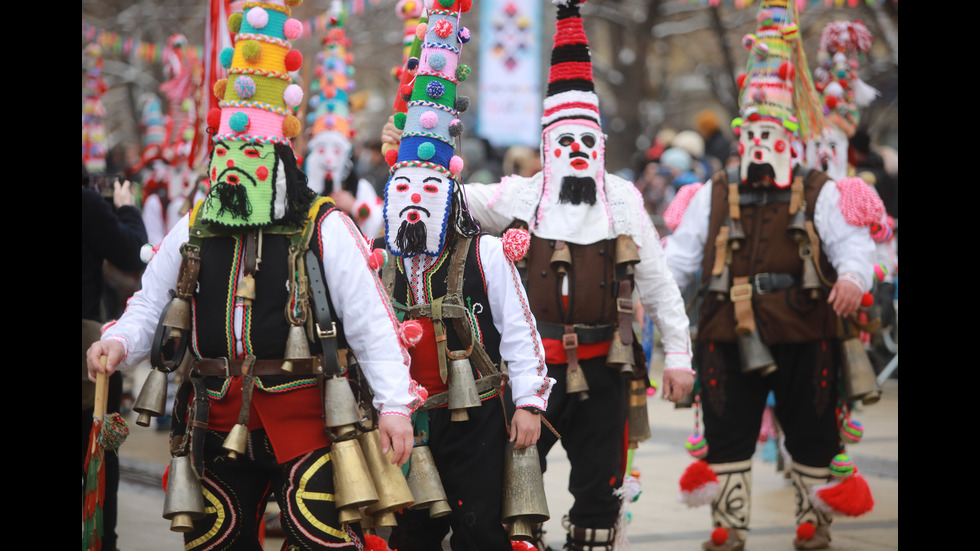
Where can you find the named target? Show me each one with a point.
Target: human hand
(398, 436)
(344, 200)
(121, 194)
(845, 297)
(390, 134)
(111, 350)
(525, 429)
(677, 384)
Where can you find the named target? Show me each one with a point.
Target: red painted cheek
(741, 149)
(262, 173)
(214, 174)
(557, 152)
(595, 154)
(780, 146)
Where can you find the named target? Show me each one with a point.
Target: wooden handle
(101, 391)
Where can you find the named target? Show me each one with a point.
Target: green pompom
(400, 120)
(462, 72)
(235, 22)
(252, 50)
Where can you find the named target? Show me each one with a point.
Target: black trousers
(236, 492)
(805, 388)
(470, 458)
(592, 433)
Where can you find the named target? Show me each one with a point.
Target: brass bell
(246, 288)
(736, 234)
(297, 347)
(860, 382)
(811, 279)
(620, 354)
(425, 483)
(524, 502)
(353, 487)
(626, 250)
(639, 422)
(720, 284)
(184, 499)
(236, 442)
(576, 383)
(178, 316)
(341, 406)
(754, 354)
(348, 515)
(152, 400)
(797, 227)
(561, 258)
(390, 483)
(462, 389)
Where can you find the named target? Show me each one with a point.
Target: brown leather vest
(782, 316)
(591, 285)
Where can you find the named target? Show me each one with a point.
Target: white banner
(509, 106)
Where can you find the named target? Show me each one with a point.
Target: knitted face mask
(417, 202)
(248, 185)
(575, 150)
(328, 162)
(766, 151)
(829, 153)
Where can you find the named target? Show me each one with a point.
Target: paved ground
(659, 521)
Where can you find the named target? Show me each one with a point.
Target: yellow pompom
(291, 127)
(219, 88)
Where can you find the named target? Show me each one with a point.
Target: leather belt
(587, 334)
(769, 282)
(762, 196)
(221, 367)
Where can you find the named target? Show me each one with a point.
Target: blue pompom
(437, 61)
(426, 150)
(226, 56)
(435, 89)
(238, 122)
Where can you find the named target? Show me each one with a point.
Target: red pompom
(786, 71)
(410, 333)
(391, 156)
(867, 299)
(719, 535)
(850, 497)
(832, 102)
(374, 543)
(214, 117)
(377, 259)
(805, 531)
(699, 484)
(516, 242)
(522, 546)
(741, 80)
(294, 60)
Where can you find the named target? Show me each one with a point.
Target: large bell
(297, 347)
(353, 487)
(425, 483)
(860, 382)
(341, 406)
(797, 227)
(184, 500)
(561, 258)
(576, 383)
(720, 284)
(390, 483)
(754, 354)
(152, 400)
(626, 250)
(639, 422)
(736, 234)
(178, 316)
(620, 354)
(524, 501)
(462, 389)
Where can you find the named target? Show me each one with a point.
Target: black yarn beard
(577, 190)
(232, 199)
(411, 238)
(761, 174)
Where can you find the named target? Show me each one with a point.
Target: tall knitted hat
(843, 45)
(777, 85)
(94, 146)
(571, 90)
(259, 95)
(254, 178)
(330, 106)
(431, 124)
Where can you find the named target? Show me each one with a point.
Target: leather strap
(741, 295)
(326, 328)
(220, 367)
(586, 334)
(570, 341)
(721, 251)
(624, 309)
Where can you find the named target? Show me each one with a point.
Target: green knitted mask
(248, 185)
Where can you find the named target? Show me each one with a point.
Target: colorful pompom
(719, 535)
(786, 70)
(456, 164)
(292, 29)
(257, 17)
(435, 89)
(437, 61)
(147, 252)
(410, 333)
(849, 495)
(245, 86)
(235, 22)
(463, 35)
(462, 71)
(294, 60)
(852, 432)
(867, 299)
(291, 126)
(226, 56)
(399, 120)
(696, 446)
(462, 103)
(219, 88)
(456, 128)
(238, 122)
(425, 151)
(214, 117)
(841, 466)
(375, 543)
(293, 95)
(377, 259)
(252, 51)
(805, 531)
(420, 31)
(428, 119)
(443, 28)
(699, 484)
(391, 156)
(880, 272)
(516, 242)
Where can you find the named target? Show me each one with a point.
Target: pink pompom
(516, 242)
(675, 211)
(293, 95)
(420, 31)
(377, 259)
(410, 333)
(428, 119)
(880, 272)
(859, 202)
(292, 28)
(257, 17)
(456, 164)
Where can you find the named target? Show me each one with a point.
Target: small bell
(297, 347)
(236, 442)
(576, 383)
(152, 400)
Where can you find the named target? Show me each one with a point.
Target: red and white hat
(571, 90)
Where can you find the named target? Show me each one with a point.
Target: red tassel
(850, 497)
